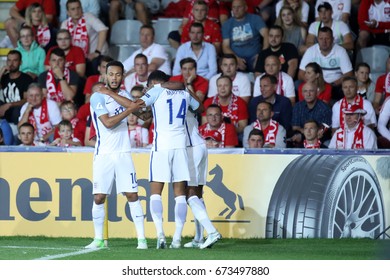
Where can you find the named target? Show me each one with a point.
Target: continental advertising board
(247, 195)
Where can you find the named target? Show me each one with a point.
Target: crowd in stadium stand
(271, 73)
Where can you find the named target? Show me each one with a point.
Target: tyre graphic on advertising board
(326, 196)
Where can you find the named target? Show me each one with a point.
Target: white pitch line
(81, 252)
(39, 248)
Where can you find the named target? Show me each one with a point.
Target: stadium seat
(163, 26)
(374, 56)
(124, 39)
(125, 32)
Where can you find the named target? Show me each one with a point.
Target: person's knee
(99, 198)
(140, 7)
(115, 6)
(10, 23)
(131, 197)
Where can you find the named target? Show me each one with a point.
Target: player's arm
(125, 102)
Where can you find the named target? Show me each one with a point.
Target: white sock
(199, 211)
(180, 216)
(137, 215)
(156, 209)
(98, 215)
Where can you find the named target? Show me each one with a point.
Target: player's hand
(57, 71)
(140, 102)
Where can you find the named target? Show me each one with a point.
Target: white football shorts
(117, 167)
(169, 166)
(197, 164)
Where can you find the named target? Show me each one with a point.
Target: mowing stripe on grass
(58, 256)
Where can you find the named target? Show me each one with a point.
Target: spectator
(42, 113)
(87, 31)
(351, 97)
(366, 87)
(234, 109)
(332, 58)
(59, 83)
(65, 139)
(26, 135)
(14, 85)
(382, 88)
(341, 32)
(141, 9)
(374, 23)
(156, 54)
(188, 76)
(139, 136)
(300, 7)
(241, 84)
(341, 9)
(294, 32)
(44, 32)
(74, 56)
(313, 74)
(281, 105)
(383, 126)
(33, 55)
(285, 86)
(212, 30)
(311, 108)
(89, 139)
(69, 113)
(17, 13)
(140, 74)
(6, 133)
(255, 139)
(93, 79)
(217, 12)
(213, 139)
(202, 52)
(244, 35)
(286, 52)
(354, 135)
(312, 132)
(89, 6)
(215, 122)
(274, 133)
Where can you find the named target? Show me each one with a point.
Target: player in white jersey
(112, 159)
(168, 157)
(198, 164)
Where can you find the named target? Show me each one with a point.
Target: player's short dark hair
(137, 88)
(157, 76)
(115, 63)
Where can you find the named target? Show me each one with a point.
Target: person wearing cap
(274, 133)
(354, 134)
(215, 121)
(255, 139)
(351, 97)
(332, 58)
(213, 139)
(341, 33)
(341, 9)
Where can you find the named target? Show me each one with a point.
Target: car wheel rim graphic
(358, 211)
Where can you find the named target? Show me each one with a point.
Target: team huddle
(178, 155)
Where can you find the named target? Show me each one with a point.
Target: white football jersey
(109, 140)
(169, 114)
